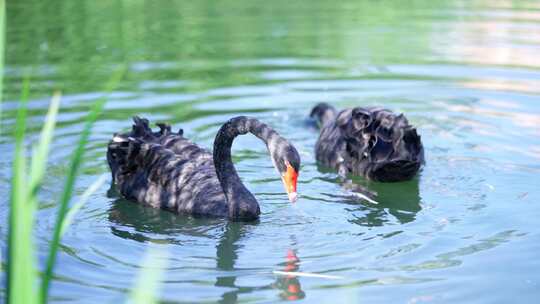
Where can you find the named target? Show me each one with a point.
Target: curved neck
(242, 204)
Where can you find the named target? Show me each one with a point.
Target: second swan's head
(287, 161)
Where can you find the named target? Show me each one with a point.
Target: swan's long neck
(242, 204)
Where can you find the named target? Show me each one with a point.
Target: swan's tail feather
(164, 129)
(323, 113)
(129, 151)
(141, 127)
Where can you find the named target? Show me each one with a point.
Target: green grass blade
(70, 181)
(84, 198)
(149, 278)
(41, 151)
(2, 50)
(21, 268)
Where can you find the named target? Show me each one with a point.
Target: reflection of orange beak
(290, 179)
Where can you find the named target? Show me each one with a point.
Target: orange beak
(290, 179)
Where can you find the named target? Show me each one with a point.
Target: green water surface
(466, 73)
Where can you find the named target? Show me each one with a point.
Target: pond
(466, 73)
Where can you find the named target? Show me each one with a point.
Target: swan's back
(165, 170)
(372, 142)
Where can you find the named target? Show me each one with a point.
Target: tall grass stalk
(2, 50)
(149, 277)
(21, 268)
(82, 200)
(26, 182)
(74, 167)
(20, 264)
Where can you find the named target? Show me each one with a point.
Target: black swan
(165, 170)
(370, 142)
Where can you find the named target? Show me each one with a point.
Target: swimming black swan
(371, 142)
(165, 170)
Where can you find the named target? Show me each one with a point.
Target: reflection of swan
(165, 170)
(226, 258)
(135, 221)
(126, 216)
(227, 254)
(290, 284)
(401, 200)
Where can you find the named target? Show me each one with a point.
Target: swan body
(371, 142)
(165, 170)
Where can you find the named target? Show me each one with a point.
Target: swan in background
(371, 142)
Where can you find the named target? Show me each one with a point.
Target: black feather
(371, 142)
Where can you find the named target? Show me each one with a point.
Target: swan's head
(287, 162)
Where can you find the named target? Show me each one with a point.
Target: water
(466, 73)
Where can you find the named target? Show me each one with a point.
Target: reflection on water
(290, 284)
(465, 73)
(133, 221)
(127, 216)
(371, 203)
(402, 201)
(226, 254)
